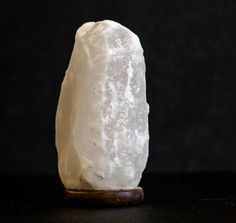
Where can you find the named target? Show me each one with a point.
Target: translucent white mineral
(102, 115)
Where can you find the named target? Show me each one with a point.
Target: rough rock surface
(102, 115)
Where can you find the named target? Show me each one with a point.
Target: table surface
(198, 197)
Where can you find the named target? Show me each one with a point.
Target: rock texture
(102, 115)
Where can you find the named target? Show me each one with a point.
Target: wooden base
(105, 197)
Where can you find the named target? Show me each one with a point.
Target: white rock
(102, 115)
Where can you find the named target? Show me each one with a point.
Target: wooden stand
(105, 197)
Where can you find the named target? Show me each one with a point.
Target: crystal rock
(102, 115)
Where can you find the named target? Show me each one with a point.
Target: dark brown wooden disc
(105, 197)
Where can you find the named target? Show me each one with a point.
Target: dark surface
(190, 55)
(169, 198)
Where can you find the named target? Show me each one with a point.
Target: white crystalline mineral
(102, 115)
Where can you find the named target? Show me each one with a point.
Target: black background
(190, 57)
